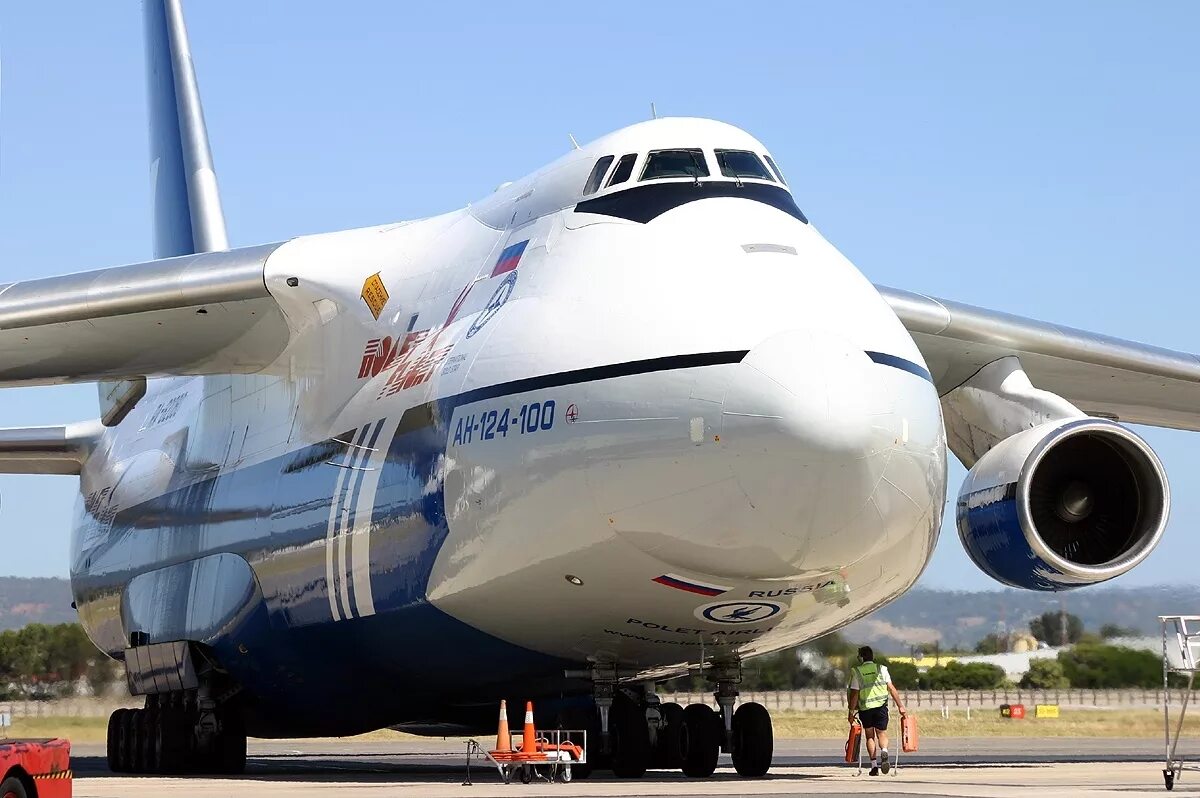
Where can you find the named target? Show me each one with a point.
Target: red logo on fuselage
(378, 353)
(410, 360)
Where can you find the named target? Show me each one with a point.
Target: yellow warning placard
(1046, 711)
(374, 294)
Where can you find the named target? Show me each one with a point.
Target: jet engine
(1064, 504)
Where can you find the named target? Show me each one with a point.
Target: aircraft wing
(1102, 376)
(195, 314)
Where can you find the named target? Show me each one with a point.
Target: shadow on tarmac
(425, 767)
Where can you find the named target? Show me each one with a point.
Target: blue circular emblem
(499, 297)
(736, 612)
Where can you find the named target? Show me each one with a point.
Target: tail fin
(183, 184)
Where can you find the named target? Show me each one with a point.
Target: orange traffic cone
(503, 738)
(529, 738)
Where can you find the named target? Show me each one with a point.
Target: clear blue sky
(1037, 158)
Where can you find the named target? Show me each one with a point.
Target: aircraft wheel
(230, 746)
(667, 754)
(630, 740)
(700, 741)
(753, 740)
(114, 741)
(146, 750)
(125, 741)
(174, 741)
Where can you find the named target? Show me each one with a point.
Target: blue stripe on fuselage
(307, 673)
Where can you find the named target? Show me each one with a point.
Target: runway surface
(976, 767)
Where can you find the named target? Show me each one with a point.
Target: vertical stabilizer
(183, 184)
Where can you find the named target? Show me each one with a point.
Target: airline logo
(377, 355)
(691, 585)
(510, 258)
(408, 362)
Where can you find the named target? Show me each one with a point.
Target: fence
(67, 707)
(780, 700)
(784, 700)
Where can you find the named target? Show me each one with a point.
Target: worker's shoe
(884, 764)
(874, 772)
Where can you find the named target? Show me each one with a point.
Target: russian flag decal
(691, 585)
(509, 258)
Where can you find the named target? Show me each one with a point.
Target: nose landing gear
(746, 734)
(637, 732)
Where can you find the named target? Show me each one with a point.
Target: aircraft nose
(805, 437)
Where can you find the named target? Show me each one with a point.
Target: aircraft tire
(136, 732)
(667, 754)
(753, 740)
(174, 735)
(700, 745)
(125, 756)
(630, 740)
(146, 750)
(113, 739)
(230, 746)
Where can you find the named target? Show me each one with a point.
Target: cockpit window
(597, 176)
(742, 163)
(624, 169)
(775, 169)
(674, 163)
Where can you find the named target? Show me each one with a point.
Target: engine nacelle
(1064, 504)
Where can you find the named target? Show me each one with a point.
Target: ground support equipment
(1181, 637)
(557, 751)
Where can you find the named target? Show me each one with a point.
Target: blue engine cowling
(1064, 504)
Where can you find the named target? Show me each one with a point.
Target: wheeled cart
(557, 751)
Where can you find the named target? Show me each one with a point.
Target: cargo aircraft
(627, 417)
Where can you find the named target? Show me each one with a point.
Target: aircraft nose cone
(801, 396)
(804, 437)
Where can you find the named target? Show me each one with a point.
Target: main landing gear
(637, 732)
(183, 732)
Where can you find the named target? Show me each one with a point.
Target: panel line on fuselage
(422, 415)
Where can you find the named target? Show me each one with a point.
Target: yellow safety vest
(874, 692)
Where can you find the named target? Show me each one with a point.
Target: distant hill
(921, 617)
(960, 619)
(42, 600)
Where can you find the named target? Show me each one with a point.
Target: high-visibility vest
(874, 692)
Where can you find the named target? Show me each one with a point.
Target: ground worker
(867, 695)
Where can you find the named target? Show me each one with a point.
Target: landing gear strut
(746, 733)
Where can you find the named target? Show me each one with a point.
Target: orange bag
(854, 742)
(908, 734)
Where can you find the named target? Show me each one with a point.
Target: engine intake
(1065, 504)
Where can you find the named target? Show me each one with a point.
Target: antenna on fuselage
(574, 143)
(653, 110)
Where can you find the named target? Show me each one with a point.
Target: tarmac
(994, 767)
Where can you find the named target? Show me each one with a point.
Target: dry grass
(1072, 723)
(788, 725)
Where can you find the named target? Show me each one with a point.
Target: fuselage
(654, 421)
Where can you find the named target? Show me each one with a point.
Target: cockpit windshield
(742, 163)
(674, 163)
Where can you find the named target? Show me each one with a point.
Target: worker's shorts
(876, 718)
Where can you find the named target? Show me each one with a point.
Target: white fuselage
(724, 456)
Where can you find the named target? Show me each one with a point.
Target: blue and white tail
(183, 184)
